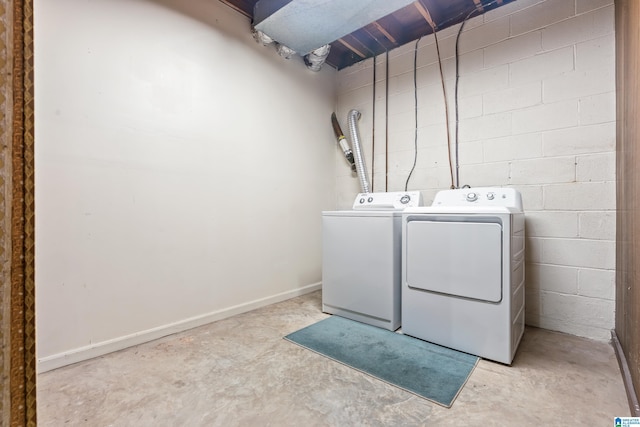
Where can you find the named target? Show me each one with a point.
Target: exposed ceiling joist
(385, 32)
(352, 49)
(418, 19)
(425, 14)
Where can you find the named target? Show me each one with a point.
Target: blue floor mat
(425, 369)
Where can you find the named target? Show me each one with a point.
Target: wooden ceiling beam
(385, 32)
(352, 49)
(478, 4)
(425, 14)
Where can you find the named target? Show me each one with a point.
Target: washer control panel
(481, 196)
(395, 200)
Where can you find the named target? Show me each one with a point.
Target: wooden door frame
(17, 210)
(626, 336)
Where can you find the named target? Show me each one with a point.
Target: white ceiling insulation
(305, 25)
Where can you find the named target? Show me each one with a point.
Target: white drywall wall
(181, 169)
(537, 112)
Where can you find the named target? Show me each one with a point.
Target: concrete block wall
(536, 112)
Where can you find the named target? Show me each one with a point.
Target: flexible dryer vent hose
(361, 167)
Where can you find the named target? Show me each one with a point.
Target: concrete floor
(240, 372)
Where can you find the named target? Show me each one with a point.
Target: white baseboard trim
(101, 348)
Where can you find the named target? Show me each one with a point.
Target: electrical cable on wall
(455, 99)
(415, 97)
(446, 108)
(373, 120)
(386, 124)
(373, 129)
(455, 181)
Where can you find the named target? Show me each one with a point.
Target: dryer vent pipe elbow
(361, 167)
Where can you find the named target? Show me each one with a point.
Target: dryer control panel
(480, 196)
(396, 200)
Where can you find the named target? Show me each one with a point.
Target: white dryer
(463, 271)
(361, 258)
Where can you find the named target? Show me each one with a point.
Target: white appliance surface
(361, 266)
(479, 197)
(463, 271)
(396, 200)
(437, 268)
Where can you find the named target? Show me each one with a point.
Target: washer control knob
(472, 197)
(491, 196)
(405, 199)
(361, 200)
(370, 199)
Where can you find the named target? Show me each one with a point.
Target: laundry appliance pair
(451, 273)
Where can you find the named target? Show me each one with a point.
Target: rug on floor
(425, 369)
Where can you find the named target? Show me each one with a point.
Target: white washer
(361, 266)
(463, 271)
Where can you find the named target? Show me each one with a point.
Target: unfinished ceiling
(403, 26)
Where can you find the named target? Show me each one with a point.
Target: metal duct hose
(361, 167)
(316, 58)
(342, 141)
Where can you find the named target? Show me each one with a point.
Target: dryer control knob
(405, 199)
(370, 199)
(361, 200)
(472, 197)
(491, 196)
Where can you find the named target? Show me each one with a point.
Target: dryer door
(455, 258)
